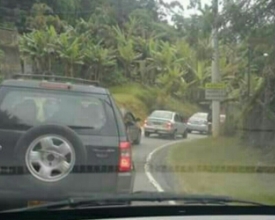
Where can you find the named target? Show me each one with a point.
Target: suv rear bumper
(15, 187)
(153, 130)
(201, 128)
(125, 183)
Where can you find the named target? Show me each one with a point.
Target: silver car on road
(165, 123)
(198, 122)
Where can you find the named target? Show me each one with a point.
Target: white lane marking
(149, 174)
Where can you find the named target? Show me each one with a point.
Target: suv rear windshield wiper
(114, 199)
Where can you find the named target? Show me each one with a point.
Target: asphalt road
(140, 154)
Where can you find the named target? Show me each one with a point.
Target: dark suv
(60, 140)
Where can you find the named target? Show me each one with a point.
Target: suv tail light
(125, 160)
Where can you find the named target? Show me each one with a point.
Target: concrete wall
(10, 64)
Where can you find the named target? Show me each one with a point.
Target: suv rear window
(21, 108)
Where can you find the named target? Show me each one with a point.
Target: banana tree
(98, 59)
(126, 52)
(201, 74)
(149, 66)
(39, 47)
(127, 56)
(196, 72)
(172, 83)
(70, 52)
(164, 55)
(233, 70)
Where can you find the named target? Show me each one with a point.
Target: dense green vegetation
(142, 100)
(130, 41)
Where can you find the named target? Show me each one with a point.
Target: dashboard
(176, 212)
(209, 217)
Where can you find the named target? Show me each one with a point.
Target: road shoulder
(224, 166)
(156, 167)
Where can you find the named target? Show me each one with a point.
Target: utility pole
(215, 71)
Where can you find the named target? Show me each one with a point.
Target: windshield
(199, 116)
(111, 97)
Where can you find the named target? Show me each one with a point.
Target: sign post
(215, 76)
(215, 92)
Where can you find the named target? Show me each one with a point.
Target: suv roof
(35, 81)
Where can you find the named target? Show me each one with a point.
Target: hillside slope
(142, 101)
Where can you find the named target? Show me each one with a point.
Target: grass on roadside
(132, 103)
(218, 152)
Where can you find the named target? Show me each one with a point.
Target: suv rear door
(102, 143)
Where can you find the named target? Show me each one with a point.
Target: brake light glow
(125, 160)
(55, 85)
(169, 125)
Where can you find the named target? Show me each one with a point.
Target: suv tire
(173, 136)
(185, 134)
(146, 134)
(71, 145)
(137, 141)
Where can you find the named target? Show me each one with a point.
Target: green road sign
(215, 86)
(215, 91)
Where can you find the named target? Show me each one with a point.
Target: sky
(185, 3)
